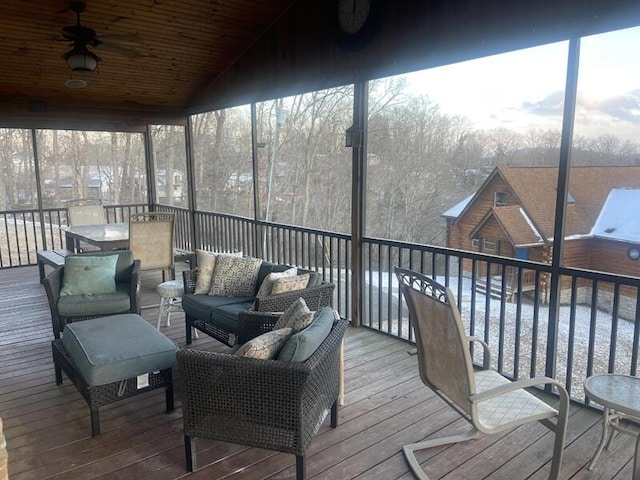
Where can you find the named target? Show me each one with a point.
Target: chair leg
(341, 388)
(168, 377)
(169, 307)
(558, 447)
(58, 371)
(190, 453)
(300, 467)
(636, 460)
(436, 442)
(334, 414)
(95, 421)
(188, 327)
(160, 311)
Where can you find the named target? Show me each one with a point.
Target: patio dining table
(105, 236)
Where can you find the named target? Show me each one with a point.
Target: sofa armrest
(315, 298)
(189, 278)
(252, 324)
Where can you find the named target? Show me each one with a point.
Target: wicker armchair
(267, 404)
(129, 280)
(315, 298)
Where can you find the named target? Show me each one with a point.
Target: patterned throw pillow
(235, 276)
(270, 280)
(297, 317)
(206, 263)
(290, 284)
(265, 346)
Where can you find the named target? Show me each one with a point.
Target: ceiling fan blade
(119, 38)
(108, 47)
(78, 33)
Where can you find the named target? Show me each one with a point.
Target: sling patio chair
(490, 402)
(151, 241)
(85, 211)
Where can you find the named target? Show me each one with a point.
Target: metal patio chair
(151, 241)
(85, 211)
(490, 402)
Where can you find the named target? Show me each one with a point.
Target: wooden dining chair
(151, 241)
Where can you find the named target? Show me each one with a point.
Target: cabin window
(500, 199)
(475, 244)
(489, 245)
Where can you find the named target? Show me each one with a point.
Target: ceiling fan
(80, 58)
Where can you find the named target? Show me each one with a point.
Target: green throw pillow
(89, 275)
(300, 346)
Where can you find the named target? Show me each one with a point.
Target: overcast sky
(525, 89)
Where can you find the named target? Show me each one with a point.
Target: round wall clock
(633, 253)
(358, 21)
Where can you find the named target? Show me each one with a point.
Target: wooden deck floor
(48, 433)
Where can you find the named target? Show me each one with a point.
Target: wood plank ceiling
(182, 47)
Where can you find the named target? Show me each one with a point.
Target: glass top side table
(620, 397)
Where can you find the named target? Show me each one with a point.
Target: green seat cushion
(117, 347)
(201, 306)
(315, 279)
(303, 344)
(90, 305)
(226, 316)
(89, 274)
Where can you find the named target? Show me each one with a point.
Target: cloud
(623, 107)
(552, 104)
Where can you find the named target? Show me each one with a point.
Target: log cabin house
(512, 215)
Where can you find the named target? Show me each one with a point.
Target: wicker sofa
(230, 320)
(272, 404)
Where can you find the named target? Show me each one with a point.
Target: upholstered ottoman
(114, 357)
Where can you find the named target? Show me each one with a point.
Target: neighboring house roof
(516, 224)
(589, 187)
(535, 189)
(454, 211)
(619, 218)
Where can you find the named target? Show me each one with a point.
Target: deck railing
(24, 232)
(596, 328)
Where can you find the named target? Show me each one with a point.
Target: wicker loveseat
(230, 320)
(264, 403)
